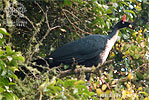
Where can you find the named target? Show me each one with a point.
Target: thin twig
(72, 14)
(75, 25)
(48, 30)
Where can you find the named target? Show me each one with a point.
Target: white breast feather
(109, 45)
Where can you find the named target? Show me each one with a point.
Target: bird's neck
(114, 33)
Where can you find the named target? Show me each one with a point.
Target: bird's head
(123, 23)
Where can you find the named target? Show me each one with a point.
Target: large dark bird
(89, 50)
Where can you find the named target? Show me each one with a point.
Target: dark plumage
(89, 50)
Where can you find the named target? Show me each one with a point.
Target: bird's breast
(104, 54)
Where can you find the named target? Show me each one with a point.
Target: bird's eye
(50, 58)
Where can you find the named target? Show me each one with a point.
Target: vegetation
(36, 28)
(9, 61)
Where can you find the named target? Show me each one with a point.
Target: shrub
(9, 61)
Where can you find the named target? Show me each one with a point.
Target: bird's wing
(81, 49)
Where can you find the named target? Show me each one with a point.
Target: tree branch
(86, 70)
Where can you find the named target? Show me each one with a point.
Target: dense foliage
(38, 27)
(9, 60)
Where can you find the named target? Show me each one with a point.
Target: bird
(89, 51)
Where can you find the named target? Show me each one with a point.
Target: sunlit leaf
(99, 92)
(69, 83)
(140, 88)
(143, 93)
(109, 11)
(3, 31)
(138, 7)
(104, 87)
(9, 50)
(130, 76)
(130, 11)
(1, 90)
(124, 3)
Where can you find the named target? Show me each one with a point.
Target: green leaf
(69, 83)
(91, 93)
(53, 81)
(1, 36)
(13, 63)
(68, 2)
(79, 82)
(19, 58)
(12, 83)
(3, 31)
(130, 11)
(10, 96)
(14, 76)
(1, 90)
(9, 50)
(133, 1)
(2, 65)
(59, 81)
(43, 86)
(122, 2)
(4, 82)
(109, 11)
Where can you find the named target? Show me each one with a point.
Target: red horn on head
(124, 18)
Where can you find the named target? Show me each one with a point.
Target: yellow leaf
(104, 86)
(128, 86)
(140, 31)
(122, 48)
(138, 7)
(108, 92)
(113, 82)
(133, 1)
(0, 96)
(112, 54)
(134, 33)
(133, 86)
(116, 45)
(105, 73)
(140, 88)
(145, 30)
(98, 91)
(127, 52)
(147, 98)
(130, 76)
(143, 93)
(123, 93)
(137, 97)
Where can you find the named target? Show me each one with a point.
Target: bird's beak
(130, 26)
